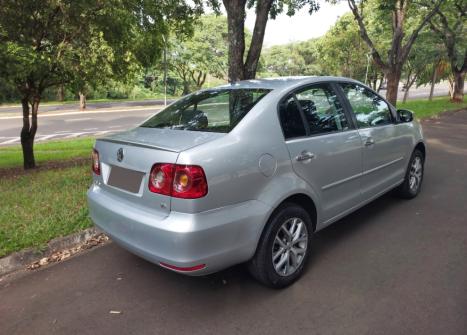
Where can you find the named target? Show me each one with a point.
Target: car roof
(282, 82)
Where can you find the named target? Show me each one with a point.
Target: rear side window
(291, 120)
(215, 110)
(370, 110)
(322, 109)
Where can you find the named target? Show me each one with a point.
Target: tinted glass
(291, 120)
(370, 110)
(215, 110)
(322, 109)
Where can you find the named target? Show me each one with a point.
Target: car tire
(413, 177)
(286, 240)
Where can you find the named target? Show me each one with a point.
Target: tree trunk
(458, 87)
(28, 132)
(393, 77)
(236, 25)
(60, 93)
(433, 81)
(82, 101)
(406, 94)
(381, 81)
(254, 51)
(186, 87)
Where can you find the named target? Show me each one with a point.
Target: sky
(300, 27)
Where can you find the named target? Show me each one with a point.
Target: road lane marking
(4, 140)
(10, 141)
(76, 120)
(45, 137)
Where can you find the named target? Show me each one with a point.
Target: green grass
(38, 207)
(424, 108)
(12, 156)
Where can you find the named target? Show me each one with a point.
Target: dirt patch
(51, 165)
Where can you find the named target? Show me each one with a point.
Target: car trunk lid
(127, 158)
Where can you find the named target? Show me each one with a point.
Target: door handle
(304, 156)
(369, 141)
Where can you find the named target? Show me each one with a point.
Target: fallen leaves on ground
(64, 254)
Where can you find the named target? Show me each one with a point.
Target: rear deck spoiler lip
(136, 143)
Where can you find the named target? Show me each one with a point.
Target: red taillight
(179, 181)
(96, 166)
(161, 178)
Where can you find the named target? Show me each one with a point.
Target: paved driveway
(393, 267)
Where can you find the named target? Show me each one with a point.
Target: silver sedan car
(248, 172)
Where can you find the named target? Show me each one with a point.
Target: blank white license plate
(126, 179)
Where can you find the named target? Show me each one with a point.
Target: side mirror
(405, 115)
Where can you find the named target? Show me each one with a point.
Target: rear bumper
(217, 238)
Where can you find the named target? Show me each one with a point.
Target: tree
(450, 26)
(425, 53)
(284, 60)
(402, 38)
(342, 52)
(205, 53)
(243, 66)
(47, 43)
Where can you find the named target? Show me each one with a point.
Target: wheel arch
(421, 146)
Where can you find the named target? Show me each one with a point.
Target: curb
(22, 259)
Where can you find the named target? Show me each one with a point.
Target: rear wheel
(413, 177)
(284, 247)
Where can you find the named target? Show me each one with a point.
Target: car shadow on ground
(323, 242)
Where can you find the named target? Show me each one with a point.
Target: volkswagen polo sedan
(248, 172)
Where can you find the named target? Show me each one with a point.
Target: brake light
(161, 178)
(96, 166)
(179, 181)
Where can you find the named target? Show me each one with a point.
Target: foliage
(399, 23)
(80, 43)
(342, 52)
(205, 53)
(292, 59)
(449, 25)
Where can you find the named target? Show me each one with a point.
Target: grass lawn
(40, 206)
(12, 156)
(424, 108)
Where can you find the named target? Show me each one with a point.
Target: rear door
(383, 145)
(324, 147)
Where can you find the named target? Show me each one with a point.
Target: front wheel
(413, 177)
(284, 247)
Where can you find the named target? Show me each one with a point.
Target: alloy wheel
(290, 246)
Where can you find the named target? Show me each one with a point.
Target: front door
(324, 148)
(383, 147)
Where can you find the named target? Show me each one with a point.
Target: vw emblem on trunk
(120, 154)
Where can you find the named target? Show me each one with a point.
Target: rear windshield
(214, 110)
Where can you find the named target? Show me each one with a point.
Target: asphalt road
(73, 124)
(393, 267)
(44, 108)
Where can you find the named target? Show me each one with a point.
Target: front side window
(370, 109)
(322, 110)
(214, 110)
